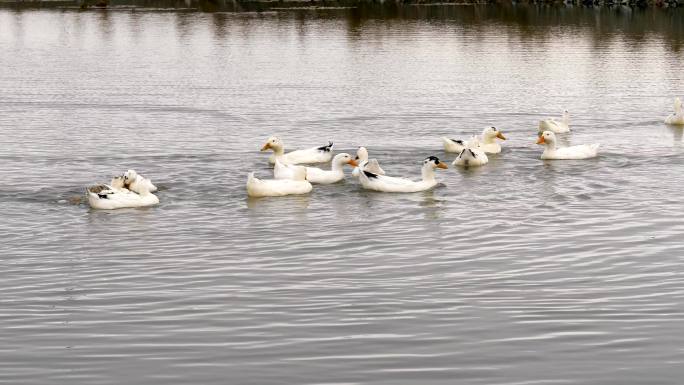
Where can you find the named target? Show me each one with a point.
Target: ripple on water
(520, 272)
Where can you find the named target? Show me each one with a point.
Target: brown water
(520, 272)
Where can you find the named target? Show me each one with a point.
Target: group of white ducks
(290, 177)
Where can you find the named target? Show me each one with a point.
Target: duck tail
(326, 148)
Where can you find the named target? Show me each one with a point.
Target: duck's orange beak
(500, 136)
(352, 163)
(541, 140)
(442, 165)
(266, 146)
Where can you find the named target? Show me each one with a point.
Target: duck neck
(487, 139)
(428, 174)
(337, 167)
(278, 151)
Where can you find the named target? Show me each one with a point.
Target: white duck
(286, 171)
(453, 145)
(548, 139)
(488, 142)
(138, 183)
(677, 117)
(310, 155)
(384, 183)
(278, 187)
(116, 196)
(370, 165)
(555, 126)
(335, 174)
(472, 155)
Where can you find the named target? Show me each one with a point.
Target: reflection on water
(519, 272)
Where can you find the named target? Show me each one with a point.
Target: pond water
(519, 272)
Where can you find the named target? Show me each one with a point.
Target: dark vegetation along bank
(266, 5)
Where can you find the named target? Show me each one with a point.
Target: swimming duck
(370, 165)
(472, 155)
(116, 196)
(310, 155)
(488, 143)
(678, 116)
(384, 183)
(138, 183)
(286, 171)
(555, 126)
(548, 139)
(453, 145)
(278, 187)
(336, 174)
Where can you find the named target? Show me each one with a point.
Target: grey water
(519, 272)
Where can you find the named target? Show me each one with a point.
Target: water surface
(520, 272)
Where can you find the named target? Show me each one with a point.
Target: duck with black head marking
(385, 183)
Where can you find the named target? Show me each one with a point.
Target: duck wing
(373, 166)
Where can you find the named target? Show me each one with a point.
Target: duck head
(341, 159)
(548, 139)
(130, 176)
(273, 143)
(433, 162)
(361, 154)
(429, 165)
(491, 133)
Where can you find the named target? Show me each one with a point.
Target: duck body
(334, 175)
(472, 155)
(287, 171)
(116, 196)
(370, 165)
(138, 183)
(385, 183)
(320, 176)
(676, 118)
(276, 187)
(558, 127)
(311, 155)
(453, 145)
(551, 152)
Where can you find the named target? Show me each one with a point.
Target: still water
(519, 272)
